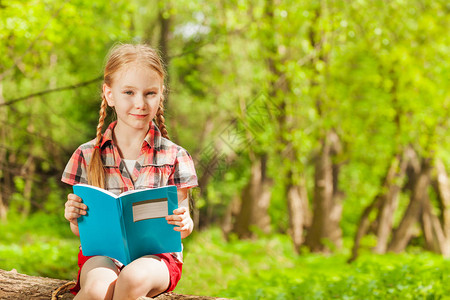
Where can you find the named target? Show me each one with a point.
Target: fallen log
(14, 285)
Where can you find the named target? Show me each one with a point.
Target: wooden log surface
(14, 285)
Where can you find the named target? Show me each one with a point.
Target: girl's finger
(177, 223)
(180, 211)
(181, 223)
(77, 205)
(75, 210)
(185, 227)
(79, 211)
(174, 218)
(74, 197)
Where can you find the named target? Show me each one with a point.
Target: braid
(160, 120)
(96, 175)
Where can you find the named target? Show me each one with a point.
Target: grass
(266, 268)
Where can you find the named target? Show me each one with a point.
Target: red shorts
(173, 265)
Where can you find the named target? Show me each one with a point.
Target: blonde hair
(118, 57)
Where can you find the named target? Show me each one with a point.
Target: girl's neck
(129, 141)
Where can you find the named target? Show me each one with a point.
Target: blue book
(130, 225)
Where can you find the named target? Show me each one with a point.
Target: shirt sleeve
(184, 175)
(76, 169)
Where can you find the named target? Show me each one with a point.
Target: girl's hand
(74, 208)
(182, 220)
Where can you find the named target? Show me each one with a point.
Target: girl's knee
(97, 289)
(147, 279)
(134, 278)
(98, 278)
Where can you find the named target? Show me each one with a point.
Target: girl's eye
(128, 92)
(151, 93)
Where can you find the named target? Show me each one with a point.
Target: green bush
(40, 244)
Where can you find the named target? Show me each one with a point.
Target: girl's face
(135, 93)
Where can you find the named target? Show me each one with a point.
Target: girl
(133, 153)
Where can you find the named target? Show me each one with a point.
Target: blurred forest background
(320, 132)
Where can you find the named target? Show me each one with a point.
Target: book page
(84, 186)
(147, 230)
(150, 209)
(141, 190)
(101, 229)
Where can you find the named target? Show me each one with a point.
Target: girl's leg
(97, 279)
(146, 276)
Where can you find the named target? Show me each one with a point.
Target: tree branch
(41, 93)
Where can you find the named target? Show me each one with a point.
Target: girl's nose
(139, 102)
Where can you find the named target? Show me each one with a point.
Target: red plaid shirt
(160, 163)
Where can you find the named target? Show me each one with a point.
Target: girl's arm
(74, 208)
(181, 216)
(74, 228)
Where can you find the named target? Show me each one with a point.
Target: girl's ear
(107, 91)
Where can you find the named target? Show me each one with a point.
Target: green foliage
(40, 245)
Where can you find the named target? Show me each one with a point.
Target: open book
(130, 225)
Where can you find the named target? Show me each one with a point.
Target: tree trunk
(298, 210)
(326, 208)
(3, 160)
(27, 172)
(323, 191)
(390, 197)
(295, 192)
(443, 187)
(165, 20)
(419, 210)
(335, 231)
(406, 230)
(164, 23)
(232, 211)
(164, 35)
(427, 227)
(327, 199)
(19, 286)
(24, 287)
(255, 200)
(436, 229)
(435, 239)
(307, 214)
(385, 203)
(363, 226)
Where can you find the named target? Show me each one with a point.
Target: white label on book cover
(150, 209)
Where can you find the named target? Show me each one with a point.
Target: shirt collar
(153, 137)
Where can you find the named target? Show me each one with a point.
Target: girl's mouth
(139, 116)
